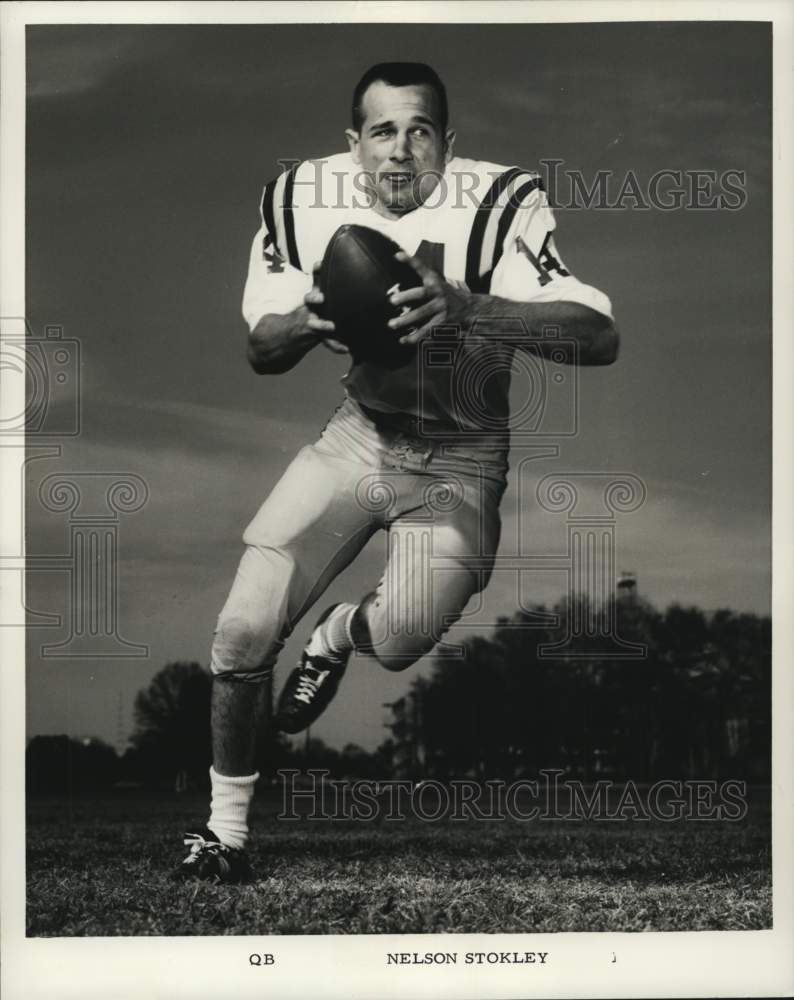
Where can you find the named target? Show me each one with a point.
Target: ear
(354, 143)
(449, 142)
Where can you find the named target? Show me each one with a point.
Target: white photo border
(747, 963)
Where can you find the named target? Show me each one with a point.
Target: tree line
(695, 703)
(691, 699)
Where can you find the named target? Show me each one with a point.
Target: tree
(65, 765)
(172, 718)
(538, 694)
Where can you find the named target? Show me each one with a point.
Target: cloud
(236, 424)
(70, 61)
(684, 547)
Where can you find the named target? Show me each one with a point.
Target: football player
(420, 452)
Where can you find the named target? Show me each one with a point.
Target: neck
(388, 213)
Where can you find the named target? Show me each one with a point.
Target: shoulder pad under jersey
(321, 185)
(500, 193)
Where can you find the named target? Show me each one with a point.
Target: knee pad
(252, 625)
(242, 652)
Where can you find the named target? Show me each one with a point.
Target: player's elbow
(607, 346)
(266, 365)
(255, 358)
(262, 350)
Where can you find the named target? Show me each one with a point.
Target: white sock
(231, 798)
(332, 639)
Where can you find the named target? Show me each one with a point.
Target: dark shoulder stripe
(509, 213)
(268, 215)
(477, 234)
(289, 220)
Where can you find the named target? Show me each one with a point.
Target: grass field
(101, 867)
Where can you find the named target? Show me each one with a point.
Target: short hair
(400, 74)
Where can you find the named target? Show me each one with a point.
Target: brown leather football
(358, 274)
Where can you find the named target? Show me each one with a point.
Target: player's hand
(336, 346)
(311, 300)
(434, 302)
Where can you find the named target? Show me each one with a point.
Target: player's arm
(279, 306)
(278, 341)
(529, 282)
(592, 335)
(589, 335)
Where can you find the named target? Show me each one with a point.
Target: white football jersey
(485, 226)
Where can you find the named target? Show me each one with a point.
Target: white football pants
(438, 504)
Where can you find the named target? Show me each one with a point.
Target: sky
(147, 149)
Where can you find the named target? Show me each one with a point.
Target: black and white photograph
(389, 603)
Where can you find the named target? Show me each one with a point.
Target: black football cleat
(310, 688)
(213, 861)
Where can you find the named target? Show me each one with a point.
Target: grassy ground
(101, 867)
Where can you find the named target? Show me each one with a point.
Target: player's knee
(243, 649)
(399, 655)
(252, 625)
(399, 651)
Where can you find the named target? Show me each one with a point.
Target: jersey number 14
(544, 262)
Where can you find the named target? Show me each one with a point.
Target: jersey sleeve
(525, 263)
(272, 285)
(276, 282)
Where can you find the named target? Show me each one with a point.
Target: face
(400, 146)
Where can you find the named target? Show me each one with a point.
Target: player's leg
(305, 533)
(440, 553)
(438, 559)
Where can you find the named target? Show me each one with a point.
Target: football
(357, 276)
